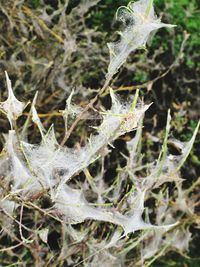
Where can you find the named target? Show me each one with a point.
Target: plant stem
(148, 8)
(133, 105)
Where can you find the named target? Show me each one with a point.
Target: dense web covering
(32, 172)
(139, 21)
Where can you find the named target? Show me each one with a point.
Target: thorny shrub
(143, 209)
